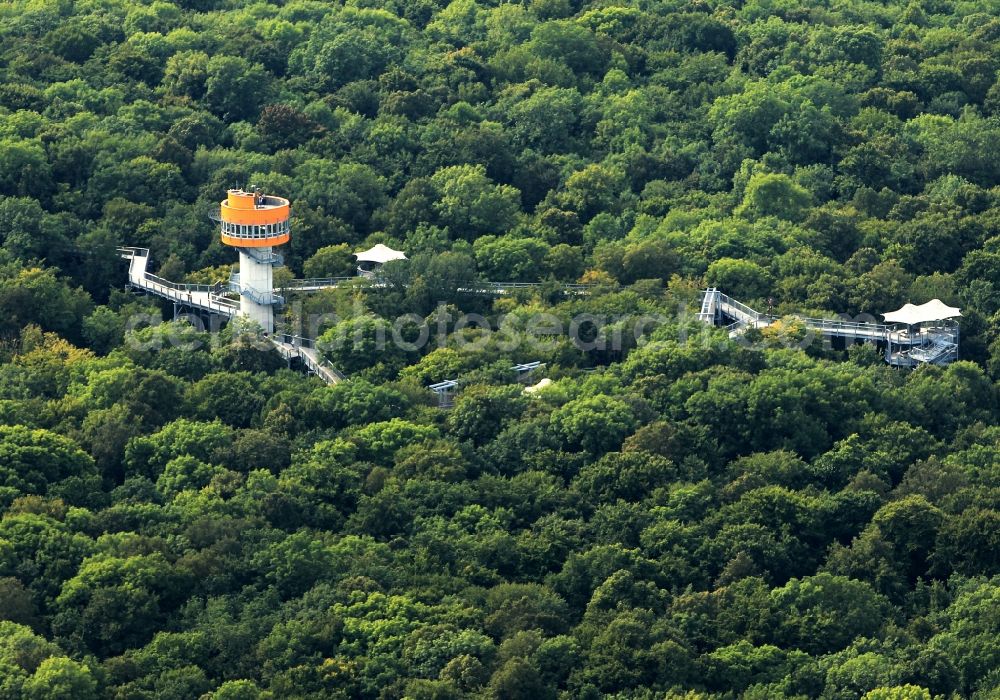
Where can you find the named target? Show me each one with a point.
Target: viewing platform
(254, 220)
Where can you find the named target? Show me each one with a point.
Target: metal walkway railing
(207, 297)
(258, 297)
(315, 284)
(715, 304)
(924, 345)
(497, 288)
(292, 346)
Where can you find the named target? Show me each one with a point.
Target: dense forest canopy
(183, 516)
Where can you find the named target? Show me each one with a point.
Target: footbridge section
(484, 288)
(904, 345)
(718, 309)
(203, 297)
(209, 298)
(293, 347)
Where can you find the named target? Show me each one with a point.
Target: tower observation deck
(254, 223)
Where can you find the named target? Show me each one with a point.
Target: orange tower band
(254, 220)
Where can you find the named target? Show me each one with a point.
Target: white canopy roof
(380, 254)
(535, 388)
(910, 314)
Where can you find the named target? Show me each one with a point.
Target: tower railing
(259, 297)
(271, 258)
(255, 232)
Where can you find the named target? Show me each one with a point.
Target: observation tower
(254, 223)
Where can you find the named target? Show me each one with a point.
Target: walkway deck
(487, 288)
(717, 307)
(903, 348)
(205, 297)
(291, 347)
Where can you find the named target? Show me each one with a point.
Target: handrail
(133, 251)
(296, 340)
(931, 344)
(321, 367)
(272, 258)
(832, 323)
(129, 253)
(213, 301)
(567, 286)
(180, 286)
(316, 282)
(259, 297)
(725, 300)
(230, 230)
(314, 359)
(936, 350)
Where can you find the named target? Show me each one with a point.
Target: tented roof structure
(911, 314)
(380, 254)
(535, 388)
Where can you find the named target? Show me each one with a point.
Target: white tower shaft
(257, 288)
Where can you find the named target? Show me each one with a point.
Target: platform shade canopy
(912, 314)
(380, 254)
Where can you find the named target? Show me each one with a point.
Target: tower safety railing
(271, 258)
(259, 297)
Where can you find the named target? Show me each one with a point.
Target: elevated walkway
(315, 284)
(208, 297)
(292, 347)
(204, 297)
(486, 288)
(904, 347)
(446, 390)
